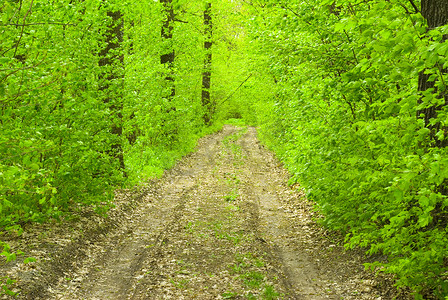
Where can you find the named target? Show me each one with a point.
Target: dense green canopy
(350, 94)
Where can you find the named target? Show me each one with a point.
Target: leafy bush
(83, 104)
(345, 117)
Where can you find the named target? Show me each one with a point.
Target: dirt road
(223, 224)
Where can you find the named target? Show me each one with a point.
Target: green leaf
(443, 49)
(424, 132)
(424, 220)
(29, 260)
(423, 201)
(4, 60)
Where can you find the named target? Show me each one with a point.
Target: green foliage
(332, 86)
(159, 129)
(55, 142)
(236, 122)
(6, 285)
(77, 102)
(8, 254)
(340, 109)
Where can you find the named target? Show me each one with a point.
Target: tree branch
(288, 8)
(21, 69)
(23, 28)
(32, 24)
(6, 101)
(180, 21)
(237, 89)
(415, 6)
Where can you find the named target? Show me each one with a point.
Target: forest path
(222, 224)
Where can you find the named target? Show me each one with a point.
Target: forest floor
(222, 224)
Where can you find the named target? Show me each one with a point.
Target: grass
(231, 196)
(249, 269)
(181, 283)
(270, 293)
(229, 295)
(7, 284)
(235, 122)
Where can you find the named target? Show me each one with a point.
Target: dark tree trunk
(167, 58)
(133, 133)
(207, 73)
(113, 65)
(167, 35)
(131, 49)
(436, 14)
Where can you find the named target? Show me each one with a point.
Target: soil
(222, 224)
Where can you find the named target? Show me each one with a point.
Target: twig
(32, 24)
(23, 27)
(415, 7)
(24, 68)
(6, 100)
(230, 96)
(288, 8)
(181, 21)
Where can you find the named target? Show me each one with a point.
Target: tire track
(113, 267)
(222, 224)
(300, 274)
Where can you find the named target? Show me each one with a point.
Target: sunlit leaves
(360, 148)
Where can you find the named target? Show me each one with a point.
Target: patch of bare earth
(222, 224)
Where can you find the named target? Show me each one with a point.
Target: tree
(436, 14)
(342, 115)
(168, 57)
(207, 72)
(112, 63)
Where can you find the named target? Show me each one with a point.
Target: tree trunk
(167, 35)
(113, 65)
(436, 14)
(207, 73)
(169, 123)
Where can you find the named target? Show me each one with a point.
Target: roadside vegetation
(351, 95)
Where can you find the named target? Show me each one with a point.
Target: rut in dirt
(222, 224)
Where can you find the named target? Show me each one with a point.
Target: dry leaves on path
(222, 224)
